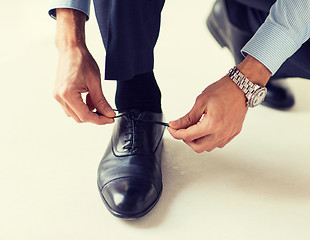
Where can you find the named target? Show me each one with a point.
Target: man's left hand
(215, 119)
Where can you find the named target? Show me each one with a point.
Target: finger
(99, 101)
(66, 111)
(192, 117)
(227, 141)
(207, 143)
(70, 113)
(89, 103)
(82, 111)
(193, 132)
(222, 144)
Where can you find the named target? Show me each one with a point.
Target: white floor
(258, 187)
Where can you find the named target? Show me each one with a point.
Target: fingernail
(175, 122)
(109, 111)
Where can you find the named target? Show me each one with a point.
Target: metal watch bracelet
(254, 93)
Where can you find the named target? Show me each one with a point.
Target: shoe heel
(214, 31)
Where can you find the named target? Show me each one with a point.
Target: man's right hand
(78, 72)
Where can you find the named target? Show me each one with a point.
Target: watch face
(258, 97)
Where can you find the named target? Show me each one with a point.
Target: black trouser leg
(129, 30)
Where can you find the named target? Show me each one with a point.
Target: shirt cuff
(271, 46)
(81, 5)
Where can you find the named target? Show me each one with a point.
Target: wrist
(254, 70)
(254, 89)
(70, 32)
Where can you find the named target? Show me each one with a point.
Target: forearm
(254, 70)
(70, 31)
(284, 31)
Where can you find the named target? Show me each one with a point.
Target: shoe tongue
(141, 115)
(134, 112)
(138, 114)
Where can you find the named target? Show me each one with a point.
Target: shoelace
(142, 120)
(134, 124)
(137, 119)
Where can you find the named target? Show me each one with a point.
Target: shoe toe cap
(129, 198)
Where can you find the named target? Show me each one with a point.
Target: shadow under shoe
(129, 174)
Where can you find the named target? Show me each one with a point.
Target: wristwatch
(254, 93)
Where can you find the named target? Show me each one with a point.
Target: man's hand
(215, 119)
(78, 72)
(219, 111)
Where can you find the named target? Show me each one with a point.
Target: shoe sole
(125, 216)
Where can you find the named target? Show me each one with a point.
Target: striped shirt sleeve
(285, 29)
(81, 5)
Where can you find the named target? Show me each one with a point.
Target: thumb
(99, 101)
(189, 119)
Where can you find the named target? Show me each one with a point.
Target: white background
(258, 187)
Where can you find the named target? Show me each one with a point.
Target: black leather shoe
(228, 35)
(129, 174)
(225, 33)
(278, 96)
